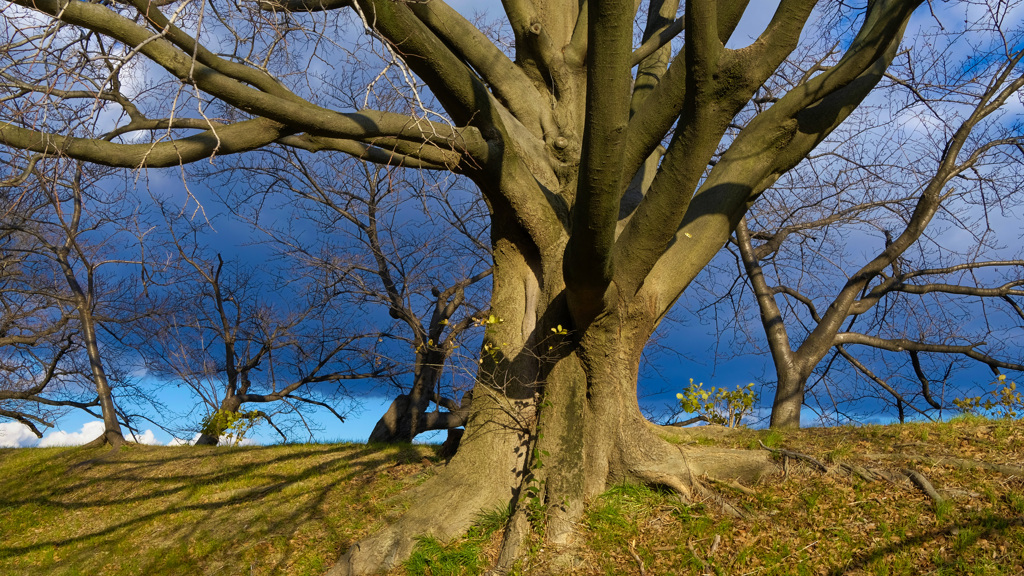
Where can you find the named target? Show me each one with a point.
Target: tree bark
(789, 400)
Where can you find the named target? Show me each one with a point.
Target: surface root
(924, 484)
(795, 455)
(961, 463)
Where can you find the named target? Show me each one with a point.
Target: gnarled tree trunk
(554, 411)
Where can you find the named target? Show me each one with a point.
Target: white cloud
(223, 441)
(16, 435)
(89, 432)
(182, 442)
(147, 437)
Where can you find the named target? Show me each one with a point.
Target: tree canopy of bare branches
(609, 162)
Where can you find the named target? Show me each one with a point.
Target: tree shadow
(969, 532)
(193, 509)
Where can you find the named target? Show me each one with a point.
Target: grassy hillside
(291, 509)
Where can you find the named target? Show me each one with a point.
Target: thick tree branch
(303, 5)
(28, 420)
(771, 316)
(907, 345)
(239, 137)
(509, 83)
(660, 38)
(588, 259)
(654, 64)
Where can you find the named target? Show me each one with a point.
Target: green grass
(184, 510)
(432, 558)
(293, 509)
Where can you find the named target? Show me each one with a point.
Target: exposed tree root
(924, 484)
(873, 474)
(795, 455)
(115, 441)
(115, 448)
(733, 485)
(961, 463)
(684, 471)
(863, 473)
(516, 532)
(444, 507)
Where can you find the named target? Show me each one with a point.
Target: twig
(699, 559)
(779, 561)
(639, 562)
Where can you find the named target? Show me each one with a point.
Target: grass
(292, 509)
(185, 510)
(833, 524)
(432, 558)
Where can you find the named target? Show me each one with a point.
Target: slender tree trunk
(111, 427)
(789, 399)
(83, 303)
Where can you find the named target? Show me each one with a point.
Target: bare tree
(883, 238)
(374, 238)
(585, 265)
(35, 340)
(238, 334)
(69, 245)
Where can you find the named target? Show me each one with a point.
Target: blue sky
(660, 380)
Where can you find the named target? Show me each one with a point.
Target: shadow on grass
(181, 506)
(971, 531)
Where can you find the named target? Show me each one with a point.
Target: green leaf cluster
(1004, 402)
(718, 405)
(231, 427)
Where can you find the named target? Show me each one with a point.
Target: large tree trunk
(556, 412)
